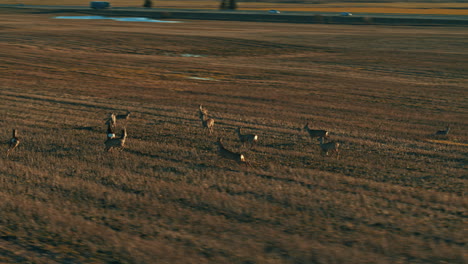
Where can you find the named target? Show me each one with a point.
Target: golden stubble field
(397, 194)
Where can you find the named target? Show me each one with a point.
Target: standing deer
(110, 131)
(247, 138)
(111, 120)
(316, 133)
(203, 110)
(13, 142)
(117, 143)
(207, 123)
(329, 147)
(227, 154)
(443, 132)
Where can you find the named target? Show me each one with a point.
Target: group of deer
(208, 123)
(333, 147)
(329, 147)
(113, 142)
(251, 139)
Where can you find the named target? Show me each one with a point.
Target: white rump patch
(242, 158)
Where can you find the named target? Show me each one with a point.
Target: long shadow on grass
(155, 156)
(188, 164)
(62, 102)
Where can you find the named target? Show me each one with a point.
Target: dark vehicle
(99, 5)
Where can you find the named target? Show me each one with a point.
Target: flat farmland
(396, 193)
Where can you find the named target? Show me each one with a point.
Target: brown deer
(207, 123)
(316, 133)
(227, 154)
(110, 131)
(13, 142)
(329, 147)
(203, 110)
(252, 139)
(111, 120)
(116, 143)
(443, 132)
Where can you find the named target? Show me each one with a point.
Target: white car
(346, 14)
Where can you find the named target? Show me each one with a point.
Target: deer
(13, 142)
(316, 133)
(227, 154)
(203, 110)
(116, 143)
(252, 139)
(207, 123)
(443, 132)
(111, 120)
(329, 147)
(110, 131)
(125, 116)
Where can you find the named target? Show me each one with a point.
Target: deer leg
(247, 164)
(251, 143)
(10, 149)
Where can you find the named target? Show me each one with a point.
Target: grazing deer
(443, 132)
(329, 147)
(247, 138)
(207, 123)
(125, 116)
(13, 142)
(117, 143)
(227, 154)
(316, 133)
(110, 131)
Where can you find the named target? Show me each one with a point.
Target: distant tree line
(228, 4)
(148, 4)
(225, 4)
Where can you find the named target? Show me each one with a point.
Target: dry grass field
(396, 194)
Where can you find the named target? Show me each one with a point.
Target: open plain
(396, 194)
